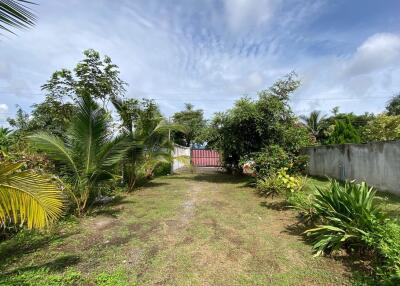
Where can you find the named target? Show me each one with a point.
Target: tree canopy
(252, 124)
(193, 120)
(393, 107)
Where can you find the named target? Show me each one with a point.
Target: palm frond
(26, 197)
(54, 147)
(15, 14)
(89, 131)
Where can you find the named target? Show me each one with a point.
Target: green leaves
(55, 148)
(15, 14)
(347, 214)
(28, 198)
(88, 152)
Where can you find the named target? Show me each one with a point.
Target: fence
(376, 163)
(179, 151)
(205, 158)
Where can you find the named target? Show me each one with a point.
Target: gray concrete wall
(376, 163)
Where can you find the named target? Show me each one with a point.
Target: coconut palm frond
(28, 198)
(16, 14)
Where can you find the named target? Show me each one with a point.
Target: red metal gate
(205, 158)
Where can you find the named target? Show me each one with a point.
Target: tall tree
(393, 107)
(15, 14)
(314, 123)
(93, 76)
(193, 120)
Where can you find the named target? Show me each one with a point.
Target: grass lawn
(188, 229)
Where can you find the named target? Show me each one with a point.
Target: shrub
(270, 159)
(280, 183)
(304, 203)
(348, 214)
(386, 244)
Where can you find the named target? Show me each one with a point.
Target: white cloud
(3, 108)
(243, 14)
(3, 113)
(378, 51)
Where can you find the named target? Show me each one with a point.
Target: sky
(212, 52)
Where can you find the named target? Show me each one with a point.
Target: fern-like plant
(28, 198)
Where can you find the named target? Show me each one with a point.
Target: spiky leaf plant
(348, 215)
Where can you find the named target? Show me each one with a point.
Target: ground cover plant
(353, 217)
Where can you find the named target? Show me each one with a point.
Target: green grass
(188, 229)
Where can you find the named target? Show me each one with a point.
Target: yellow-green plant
(280, 183)
(290, 183)
(28, 198)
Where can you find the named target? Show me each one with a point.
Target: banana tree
(28, 198)
(88, 155)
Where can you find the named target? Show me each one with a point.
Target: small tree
(344, 132)
(88, 153)
(253, 124)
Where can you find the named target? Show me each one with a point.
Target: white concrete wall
(376, 163)
(180, 151)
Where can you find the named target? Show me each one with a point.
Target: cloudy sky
(210, 52)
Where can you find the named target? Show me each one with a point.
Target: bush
(280, 183)
(304, 203)
(347, 214)
(162, 169)
(386, 244)
(270, 159)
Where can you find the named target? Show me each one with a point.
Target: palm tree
(89, 153)
(149, 137)
(314, 123)
(4, 140)
(27, 198)
(15, 14)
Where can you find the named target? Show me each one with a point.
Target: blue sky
(211, 52)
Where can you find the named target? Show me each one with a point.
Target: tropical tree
(15, 14)
(88, 154)
(52, 115)
(393, 107)
(27, 198)
(148, 134)
(194, 121)
(315, 123)
(93, 76)
(4, 140)
(253, 124)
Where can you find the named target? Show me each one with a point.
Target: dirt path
(190, 229)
